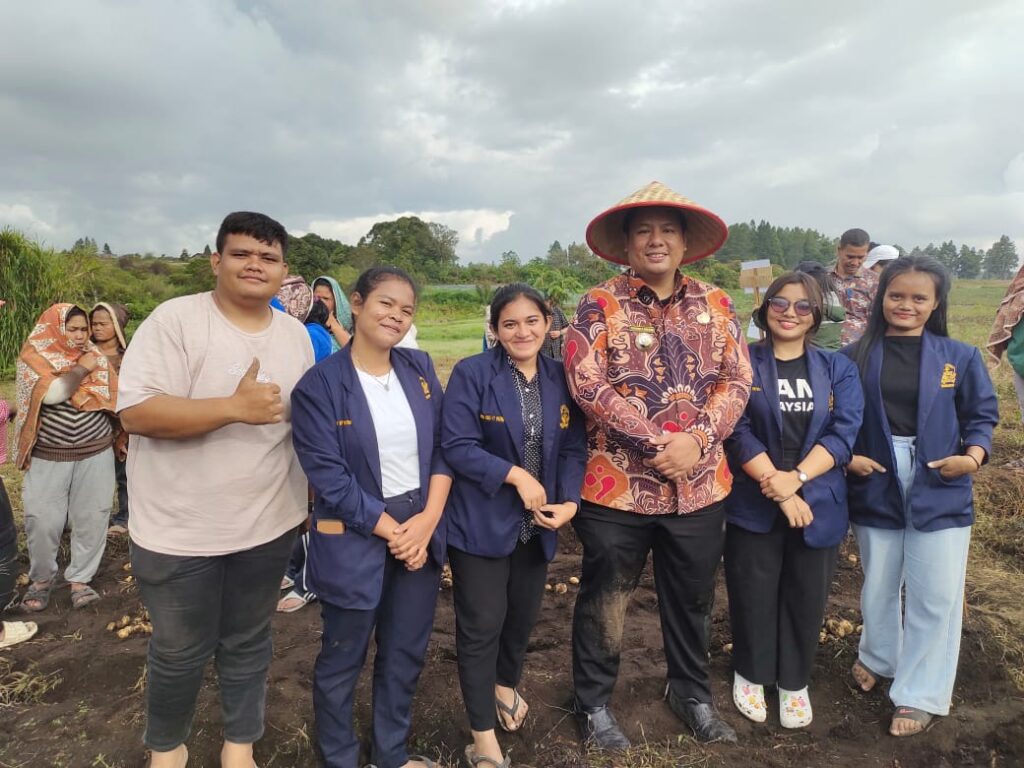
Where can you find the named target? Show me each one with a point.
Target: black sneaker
(598, 728)
(703, 719)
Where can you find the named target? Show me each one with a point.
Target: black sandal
(925, 719)
(502, 709)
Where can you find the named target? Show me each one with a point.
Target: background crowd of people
(275, 434)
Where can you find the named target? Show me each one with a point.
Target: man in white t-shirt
(217, 491)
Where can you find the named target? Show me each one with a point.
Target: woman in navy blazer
(786, 514)
(366, 426)
(928, 419)
(516, 443)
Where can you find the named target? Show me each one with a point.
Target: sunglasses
(779, 305)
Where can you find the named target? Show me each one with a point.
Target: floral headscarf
(46, 355)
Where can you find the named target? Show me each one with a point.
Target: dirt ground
(78, 693)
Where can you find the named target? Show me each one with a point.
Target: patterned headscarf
(1009, 314)
(46, 355)
(296, 297)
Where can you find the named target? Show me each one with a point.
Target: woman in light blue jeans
(928, 417)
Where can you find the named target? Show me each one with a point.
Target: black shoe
(598, 728)
(703, 719)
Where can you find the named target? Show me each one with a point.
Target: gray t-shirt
(236, 487)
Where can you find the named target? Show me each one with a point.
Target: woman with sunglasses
(787, 511)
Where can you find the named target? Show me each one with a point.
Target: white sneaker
(795, 708)
(749, 698)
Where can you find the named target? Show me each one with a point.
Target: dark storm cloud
(141, 124)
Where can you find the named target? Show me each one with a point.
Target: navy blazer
(336, 443)
(956, 408)
(838, 409)
(482, 439)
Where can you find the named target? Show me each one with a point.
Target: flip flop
(475, 760)
(925, 719)
(872, 678)
(82, 597)
(304, 600)
(502, 709)
(17, 632)
(39, 595)
(287, 583)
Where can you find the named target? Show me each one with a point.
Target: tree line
(33, 276)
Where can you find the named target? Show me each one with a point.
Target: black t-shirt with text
(796, 402)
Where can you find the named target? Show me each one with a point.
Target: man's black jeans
(203, 607)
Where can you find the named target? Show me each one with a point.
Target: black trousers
(496, 604)
(687, 549)
(205, 607)
(777, 592)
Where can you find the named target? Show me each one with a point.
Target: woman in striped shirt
(66, 391)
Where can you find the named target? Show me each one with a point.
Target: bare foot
(175, 758)
(234, 755)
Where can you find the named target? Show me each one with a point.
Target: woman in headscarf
(328, 290)
(66, 391)
(1007, 336)
(107, 323)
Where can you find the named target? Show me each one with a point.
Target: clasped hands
(678, 453)
(409, 542)
(535, 499)
(782, 487)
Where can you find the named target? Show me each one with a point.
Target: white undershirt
(396, 433)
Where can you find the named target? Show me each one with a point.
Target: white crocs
(795, 708)
(749, 698)
(17, 632)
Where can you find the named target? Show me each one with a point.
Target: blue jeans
(916, 643)
(203, 607)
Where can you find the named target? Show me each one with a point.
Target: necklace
(382, 380)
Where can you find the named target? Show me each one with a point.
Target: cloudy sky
(515, 122)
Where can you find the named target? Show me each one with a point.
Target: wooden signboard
(755, 276)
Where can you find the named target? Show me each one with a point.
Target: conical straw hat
(705, 231)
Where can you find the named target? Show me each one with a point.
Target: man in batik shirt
(657, 362)
(858, 283)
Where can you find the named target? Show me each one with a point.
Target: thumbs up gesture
(254, 402)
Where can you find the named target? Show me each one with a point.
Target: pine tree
(1000, 261)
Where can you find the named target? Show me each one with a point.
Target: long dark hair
(877, 326)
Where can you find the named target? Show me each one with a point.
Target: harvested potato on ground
(561, 589)
(548, 587)
(574, 580)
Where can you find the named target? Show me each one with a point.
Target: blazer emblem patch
(492, 417)
(948, 379)
(426, 388)
(563, 416)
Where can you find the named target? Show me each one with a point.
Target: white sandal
(795, 708)
(303, 601)
(749, 698)
(17, 632)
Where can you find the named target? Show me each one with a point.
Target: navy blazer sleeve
(315, 437)
(847, 412)
(743, 445)
(976, 405)
(438, 464)
(572, 457)
(462, 434)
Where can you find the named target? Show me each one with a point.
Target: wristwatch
(802, 476)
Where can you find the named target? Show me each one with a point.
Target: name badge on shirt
(492, 417)
(344, 422)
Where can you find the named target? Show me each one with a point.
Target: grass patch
(28, 687)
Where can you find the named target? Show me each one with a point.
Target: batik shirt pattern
(639, 367)
(857, 294)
